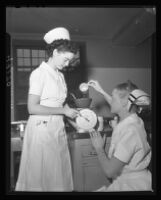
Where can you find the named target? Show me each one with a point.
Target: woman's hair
(62, 46)
(125, 88)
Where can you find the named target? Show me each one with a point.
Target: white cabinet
(87, 172)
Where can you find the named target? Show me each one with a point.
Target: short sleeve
(36, 81)
(126, 146)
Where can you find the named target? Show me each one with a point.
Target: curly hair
(62, 46)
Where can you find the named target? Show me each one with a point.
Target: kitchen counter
(76, 135)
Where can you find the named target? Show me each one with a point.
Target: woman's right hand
(95, 84)
(70, 112)
(113, 122)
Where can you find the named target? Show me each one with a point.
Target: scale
(87, 120)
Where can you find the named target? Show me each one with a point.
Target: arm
(112, 167)
(99, 89)
(35, 108)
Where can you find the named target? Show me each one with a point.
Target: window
(27, 55)
(27, 59)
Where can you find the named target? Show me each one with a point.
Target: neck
(50, 62)
(123, 115)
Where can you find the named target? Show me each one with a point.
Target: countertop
(74, 135)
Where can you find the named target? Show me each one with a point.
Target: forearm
(107, 97)
(104, 162)
(73, 124)
(44, 110)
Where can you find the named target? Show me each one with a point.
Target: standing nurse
(45, 161)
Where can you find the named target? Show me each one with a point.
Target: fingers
(93, 133)
(92, 82)
(75, 113)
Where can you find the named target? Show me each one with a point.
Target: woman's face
(117, 103)
(62, 59)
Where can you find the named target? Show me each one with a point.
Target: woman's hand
(113, 122)
(74, 124)
(97, 140)
(70, 112)
(95, 84)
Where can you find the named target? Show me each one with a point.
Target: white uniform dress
(129, 145)
(45, 161)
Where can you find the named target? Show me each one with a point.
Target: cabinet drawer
(90, 161)
(88, 151)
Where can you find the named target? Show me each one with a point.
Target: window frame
(22, 44)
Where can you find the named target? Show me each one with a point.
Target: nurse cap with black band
(56, 34)
(139, 98)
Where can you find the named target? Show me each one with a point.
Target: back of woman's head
(138, 100)
(62, 45)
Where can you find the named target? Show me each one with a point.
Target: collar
(55, 72)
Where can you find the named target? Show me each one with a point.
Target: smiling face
(62, 59)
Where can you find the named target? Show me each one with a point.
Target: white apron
(45, 161)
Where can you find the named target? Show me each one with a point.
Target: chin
(60, 68)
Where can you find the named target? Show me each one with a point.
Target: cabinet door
(94, 178)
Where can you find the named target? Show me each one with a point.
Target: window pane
(41, 60)
(24, 69)
(26, 53)
(35, 61)
(41, 53)
(19, 52)
(20, 61)
(27, 62)
(34, 53)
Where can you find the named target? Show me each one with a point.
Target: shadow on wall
(99, 104)
(101, 107)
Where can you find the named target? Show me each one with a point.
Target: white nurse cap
(139, 97)
(56, 34)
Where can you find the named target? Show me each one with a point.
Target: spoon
(73, 95)
(83, 117)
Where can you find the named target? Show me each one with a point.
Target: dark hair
(62, 46)
(126, 88)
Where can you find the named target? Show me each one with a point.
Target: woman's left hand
(97, 140)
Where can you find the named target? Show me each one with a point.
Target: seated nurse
(129, 155)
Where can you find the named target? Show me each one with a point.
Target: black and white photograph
(80, 99)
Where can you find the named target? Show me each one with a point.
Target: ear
(55, 52)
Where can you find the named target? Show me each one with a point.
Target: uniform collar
(130, 119)
(55, 72)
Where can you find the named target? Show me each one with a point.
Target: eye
(66, 59)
